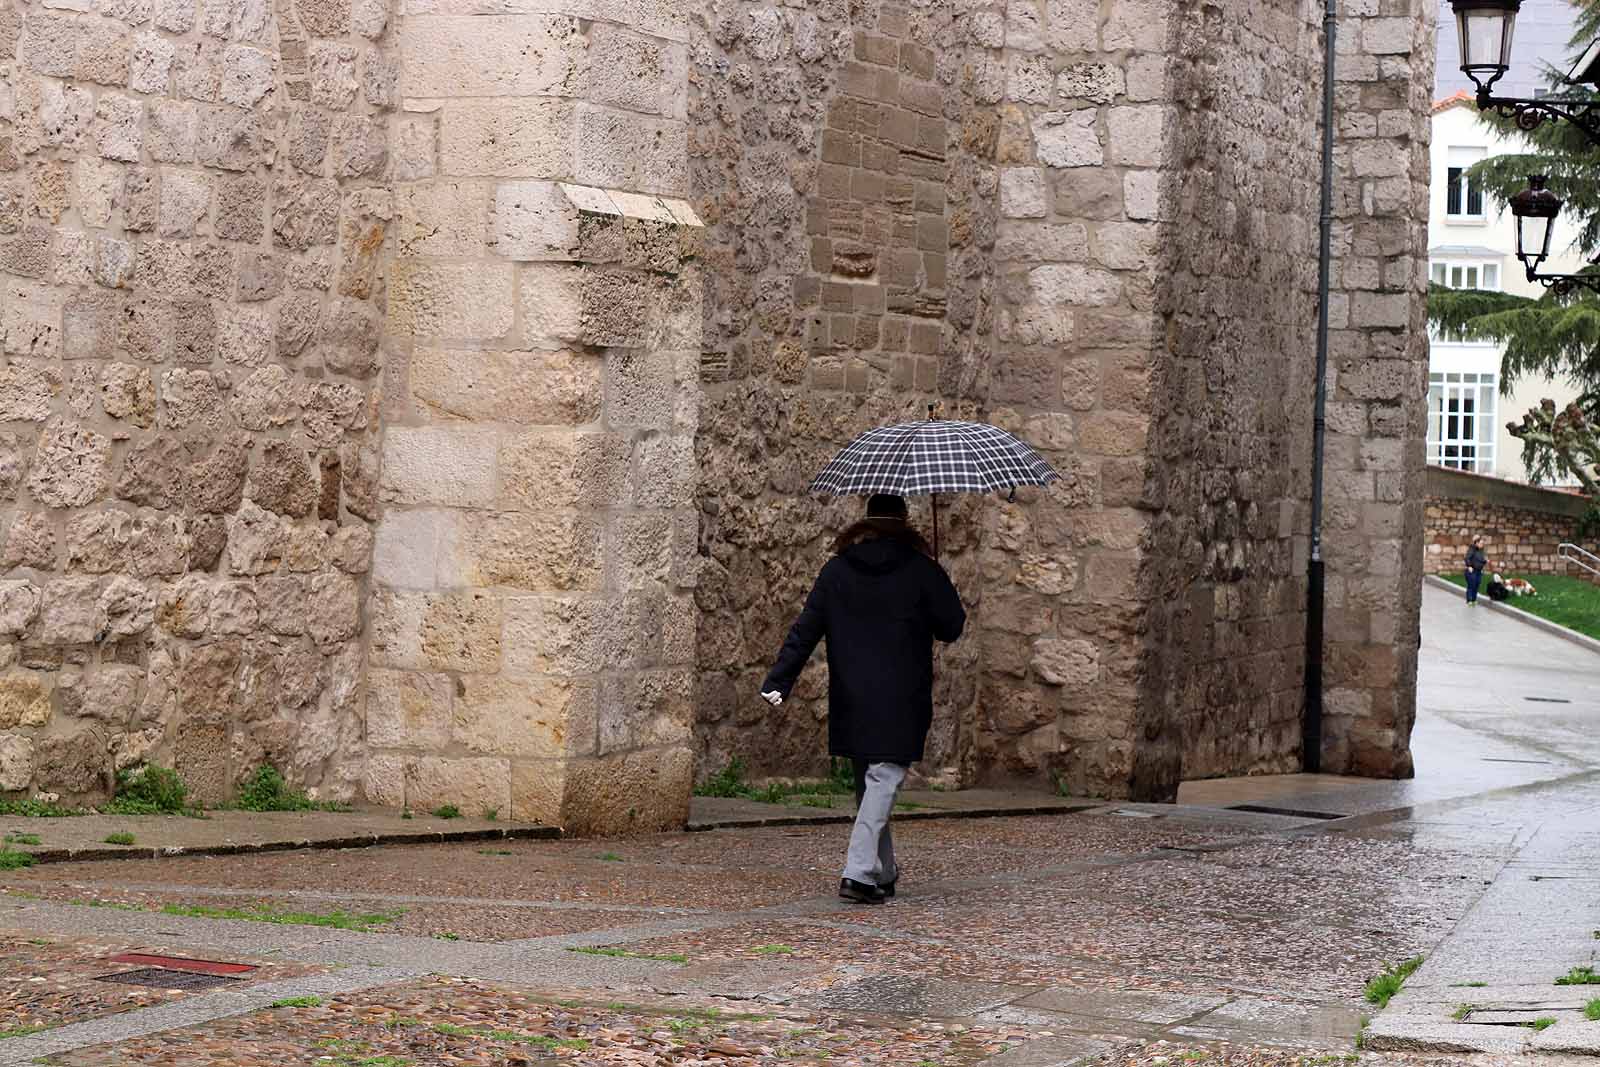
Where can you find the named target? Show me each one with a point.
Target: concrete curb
(1552, 628)
(404, 837)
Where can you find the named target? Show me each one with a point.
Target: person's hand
(774, 698)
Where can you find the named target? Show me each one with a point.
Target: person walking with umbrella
(880, 603)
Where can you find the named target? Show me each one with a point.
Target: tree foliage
(1556, 335)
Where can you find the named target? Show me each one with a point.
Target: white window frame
(1454, 273)
(1462, 158)
(1466, 438)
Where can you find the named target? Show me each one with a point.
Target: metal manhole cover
(161, 978)
(1293, 813)
(183, 963)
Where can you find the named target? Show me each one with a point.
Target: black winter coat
(1477, 559)
(880, 603)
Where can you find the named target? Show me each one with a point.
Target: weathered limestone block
(71, 468)
(539, 717)
(501, 56)
(506, 138)
(582, 635)
(16, 763)
(538, 388)
(626, 793)
(1066, 662)
(409, 709)
(476, 786)
(70, 613)
(283, 480)
(19, 606)
(437, 631)
(74, 764)
(533, 552)
(450, 300)
(126, 606)
(31, 542)
(333, 612)
(24, 700)
(546, 469)
(256, 540)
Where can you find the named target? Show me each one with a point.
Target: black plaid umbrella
(931, 457)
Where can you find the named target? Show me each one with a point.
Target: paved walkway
(1488, 674)
(1121, 934)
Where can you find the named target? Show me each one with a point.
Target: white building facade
(1472, 245)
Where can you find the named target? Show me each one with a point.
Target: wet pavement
(1133, 934)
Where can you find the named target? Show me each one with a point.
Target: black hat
(886, 506)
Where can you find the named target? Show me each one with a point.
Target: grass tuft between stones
(298, 1002)
(121, 838)
(338, 920)
(1381, 990)
(1544, 1022)
(22, 839)
(1579, 976)
(1591, 1010)
(624, 954)
(12, 860)
(24, 1031)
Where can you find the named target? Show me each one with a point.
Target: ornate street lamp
(1536, 208)
(1486, 28)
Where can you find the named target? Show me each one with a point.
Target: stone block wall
(1522, 526)
(532, 624)
(1143, 310)
(551, 314)
(1377, 405)
(191, 211)
(841, 155)
(1083, 134)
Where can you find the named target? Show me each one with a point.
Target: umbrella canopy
(933, 456)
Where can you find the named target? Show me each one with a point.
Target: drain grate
(1548, 700)
(1293, 813)
(161, 978)
(180, 963)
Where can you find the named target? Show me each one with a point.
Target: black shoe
(860, 892)
(887, 888)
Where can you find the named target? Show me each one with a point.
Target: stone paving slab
(223, 833)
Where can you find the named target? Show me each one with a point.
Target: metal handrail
(1574, 554)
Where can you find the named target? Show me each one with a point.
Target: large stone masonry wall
(1083, 134)
(1232, 455)
(841, 155)
(533, 629)
(191, 222)
(1144, 311)
(1522, 526)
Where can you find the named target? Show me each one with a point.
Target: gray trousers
(871, 857)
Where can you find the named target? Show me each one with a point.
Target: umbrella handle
(935, 498)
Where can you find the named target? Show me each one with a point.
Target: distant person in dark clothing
(881, 602)
(1477, 559)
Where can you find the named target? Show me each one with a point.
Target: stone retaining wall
(1522, 526)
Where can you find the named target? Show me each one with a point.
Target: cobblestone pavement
(1119, 936)
(1028, 940)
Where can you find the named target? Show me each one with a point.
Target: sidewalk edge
(1553, 628)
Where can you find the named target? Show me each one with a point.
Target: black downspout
(1311, 723)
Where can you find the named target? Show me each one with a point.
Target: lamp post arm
(1529, 115)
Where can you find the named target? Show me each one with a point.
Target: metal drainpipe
(1311, 723)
